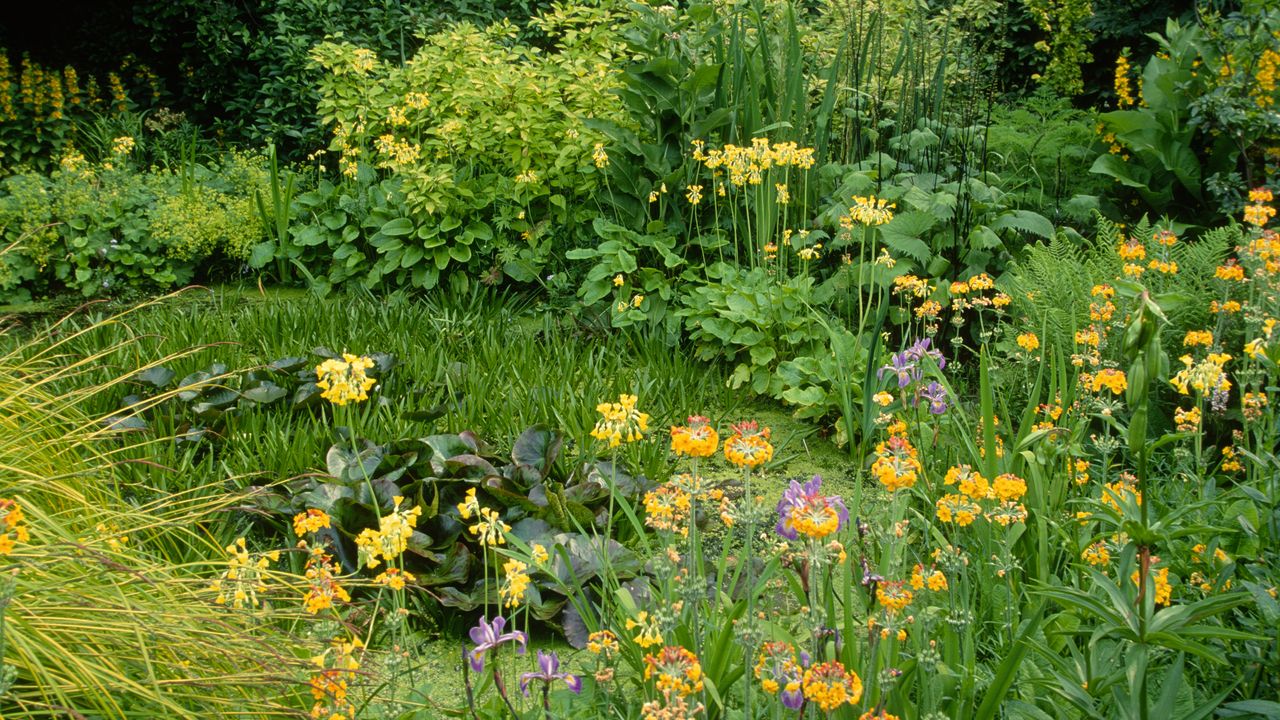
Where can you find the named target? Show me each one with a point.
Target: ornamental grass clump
(109, 610)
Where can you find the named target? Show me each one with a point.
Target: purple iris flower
(791, 699)
(489, 635)
(901, 367)
(549, 672)
(919, 350)
(807, 501)
(937, 397)
(794, 700)
(869, 578)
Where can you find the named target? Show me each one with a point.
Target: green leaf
(460, 253)
(763, 354)
(1129, 175)
(1025, 221)
(537, 447)
(261, 254)
(264, 394)
(902, 234)
(158, 376)
(397, 227)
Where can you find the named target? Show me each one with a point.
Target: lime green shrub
(108, 227)
(471, 152)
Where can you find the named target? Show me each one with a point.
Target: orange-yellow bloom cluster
(749, 446)
(676, 669)
(697, 439)
(829, 685)
(14, 531)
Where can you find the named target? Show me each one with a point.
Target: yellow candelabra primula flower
(490, 530)
(1206, 377)
(620, 422)
(245, 575)
(345, 381)
(868, 212)
(391, 538)
(515, 585)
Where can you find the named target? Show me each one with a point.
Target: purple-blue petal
(792, 700)
(574, 682)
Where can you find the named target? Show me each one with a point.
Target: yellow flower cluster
(515, 583)
(1096, 554)
(963, 508)
(329, 683)
(667, 508)
(324, 586)
(1123, 85)
(934, 579)
(697, 439)
(1264, 86)
(1160, 580)
(394, 578)
(897, 463)
(490, 530)
(245, 575)
(1205, 377)
(391, 538)
(1258, 213)
(620, 422)
(776, 663)
(749, 445)
(966, 294)
(1078, 470)
(1122, 490)
(396, 153)
(812, 252)
(1187, 420)
(912, 285)
(747, 165)
(1198, 337)
(14, 531)
(1231, 460)
(603, 642)
(345, 381)
(1028, 341)
(538, 553)
(868, 211)
(1132, 249)
(1252, 404)
(310, 521)
(649, 633)
(1111, 379)
(829, 686)
(677, 671)
(893, 596)
(1229, 272)
(123, 145)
